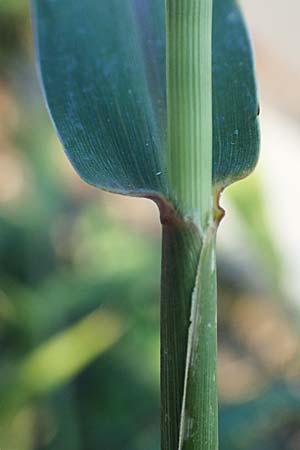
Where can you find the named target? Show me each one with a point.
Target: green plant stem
(199, 418)
(189, 105)
(189, 416)
(189, 299)
(181, 246)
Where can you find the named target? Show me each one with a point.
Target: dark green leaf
(235, 106)
(102, 65)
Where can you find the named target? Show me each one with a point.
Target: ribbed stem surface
(189, 307)
(181, 247)
(199, 419)
(189, 105)
(189, 416)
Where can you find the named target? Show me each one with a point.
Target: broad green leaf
(102, 65)
(235, 105)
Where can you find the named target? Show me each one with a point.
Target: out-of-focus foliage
(79, 310)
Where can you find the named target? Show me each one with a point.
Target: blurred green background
(79, 281)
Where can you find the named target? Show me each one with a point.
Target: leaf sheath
(188, 339)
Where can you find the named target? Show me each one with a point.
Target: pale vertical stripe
(189, 104)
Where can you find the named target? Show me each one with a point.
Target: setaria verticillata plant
(157, 99)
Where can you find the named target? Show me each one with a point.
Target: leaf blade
(105, 109)
(119, 143)
(235, 104)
